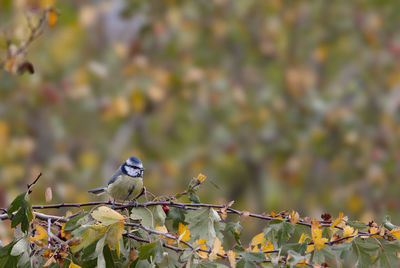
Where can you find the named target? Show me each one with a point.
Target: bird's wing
(115, 176)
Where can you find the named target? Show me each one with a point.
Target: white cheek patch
(131, 171)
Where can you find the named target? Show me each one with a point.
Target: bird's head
(132, 167)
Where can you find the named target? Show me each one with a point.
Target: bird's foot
(113, 205)
(133, 203)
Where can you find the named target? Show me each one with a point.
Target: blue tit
(126, 183)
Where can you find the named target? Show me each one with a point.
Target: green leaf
(88, 252)
(24, 214)
(194, 198)
(295, 257)
(323, 255)
(145, 215)
(11, 261)
(388, 255)
(154, 250)
(357, 225)
(366, 251)
(138, 263)
(74, 222)
(5, 251)
(108, 257)
(294, 247)
(21, 218)
(387, 224)
(177, 215)
(245, 264)
(252, 256)
(16, 203)
(204, 223)
(158, 214)
(235, 229)
(279, 233)
(207, 264)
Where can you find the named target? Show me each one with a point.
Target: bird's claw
(134, 204)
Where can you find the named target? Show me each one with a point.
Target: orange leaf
(52, 17)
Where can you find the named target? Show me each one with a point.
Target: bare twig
(30, 185)
(34, 33)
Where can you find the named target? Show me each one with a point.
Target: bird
(126, 183)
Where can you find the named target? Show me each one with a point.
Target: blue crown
(134, 162)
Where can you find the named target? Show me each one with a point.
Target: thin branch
(34, 33)
(187, 206)
(30, 185)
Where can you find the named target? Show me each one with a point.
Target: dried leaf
(217, 249)
(231, 258)
(48, 194)
(26, 66)
(294, 217)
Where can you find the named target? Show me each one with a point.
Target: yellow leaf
(184, 232)
(41, 234)
(106, 215)
(231, 258)
(303, 237)
(52, 17)
(337, 221)
(202, 243)
(118, 250)
(268, 247)
(65, 234)
(349, 231)
(201, 177)
(217, 248)
(258, 239)
(114, 233)
(396, 233)
(73, 265)
(316, 233)
(310, 248)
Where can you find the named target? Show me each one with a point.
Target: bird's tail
(98, 191)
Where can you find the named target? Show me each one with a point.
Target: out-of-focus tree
(287, 105)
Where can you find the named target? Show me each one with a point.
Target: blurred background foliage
(283, 104)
